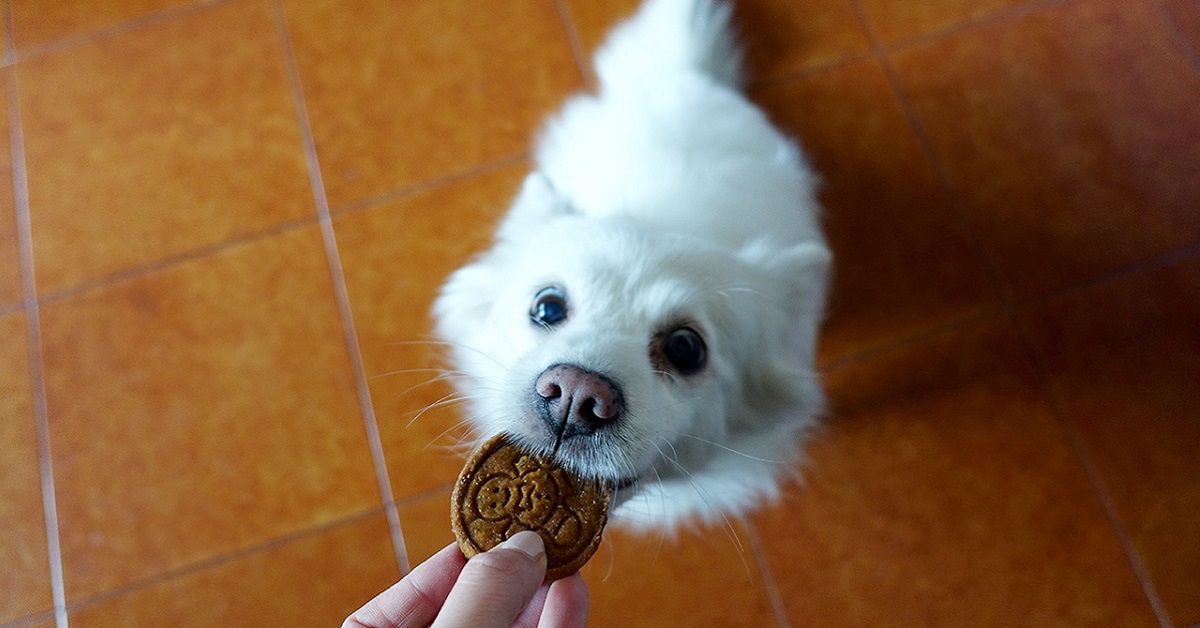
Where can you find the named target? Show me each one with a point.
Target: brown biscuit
(504, 489)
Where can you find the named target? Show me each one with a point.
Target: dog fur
(664, 201)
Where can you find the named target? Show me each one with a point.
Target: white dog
(649, 309)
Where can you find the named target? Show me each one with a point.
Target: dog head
(675, 369)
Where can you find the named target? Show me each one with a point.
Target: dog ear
(797, 278)
(470, 292)
(467, 297)
(778, 375)
(536, 203)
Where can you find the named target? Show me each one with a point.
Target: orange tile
(704, 578)
(425, 522)
(10, 255)
(944, 493)
(783, 36)
(395, 258)
(317, 579)
(903, 261)
(592, 21)
(397, 97)
(897, 21)
(779, 36)
(25, 579)
(38, 23)
(159, 142)
(1070, 135)
(199, 410)
(1124, 359)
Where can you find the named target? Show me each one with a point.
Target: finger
(566, 604)
(532, 613)
(416, 599)
(495, 585)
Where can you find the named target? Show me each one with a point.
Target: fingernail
(528, 543)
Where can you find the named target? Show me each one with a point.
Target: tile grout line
(801, 73)
(226, 558)
(586, 71)
(112, 30)
(878, 49)
(1095, 481)
(899, 343)
(337, 273)
(29, 620)
(412, 190)
(231, 242)
(995, 17)
(1008, 301)
(137, 272)
(1148, 265)
(991, 314)
(769, 583)
(37, 369)
(926, 143)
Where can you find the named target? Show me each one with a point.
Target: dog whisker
(438, 342)
(439, 371)
(446, 377)
(447, 400)
(662, 533)
(731, 450)
(462, 445)
(731, 532)
(730, 290)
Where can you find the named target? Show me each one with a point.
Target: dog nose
(575, 401)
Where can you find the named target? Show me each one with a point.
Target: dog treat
(504, 489)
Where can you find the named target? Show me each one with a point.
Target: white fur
(667, 198)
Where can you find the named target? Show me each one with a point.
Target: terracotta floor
(226, 220)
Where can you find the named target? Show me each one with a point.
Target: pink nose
(575, 401)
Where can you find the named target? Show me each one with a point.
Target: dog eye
(685, 350)
(549, 307)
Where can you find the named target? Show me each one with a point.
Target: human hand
(496, 589)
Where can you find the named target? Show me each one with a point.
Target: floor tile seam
(1092, 474)
(15, 307)
(1142, 267)
(225, 558)
(768, 576)
(977, 318)
(1185, 44)
(994, 17)
(341, 293)
(413, 190)
(925, 141)
(586, 72)
(37, 371)
(25, 621)
(110, 31)
(237, 241)
(141, 271)
(807, 71)
(422, 495)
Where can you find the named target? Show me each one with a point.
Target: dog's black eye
(549, 307)
(685, 350)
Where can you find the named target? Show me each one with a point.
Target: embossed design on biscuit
(504, 490)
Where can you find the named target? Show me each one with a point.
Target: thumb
(494, 586)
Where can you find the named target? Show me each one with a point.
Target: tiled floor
(222, 223)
